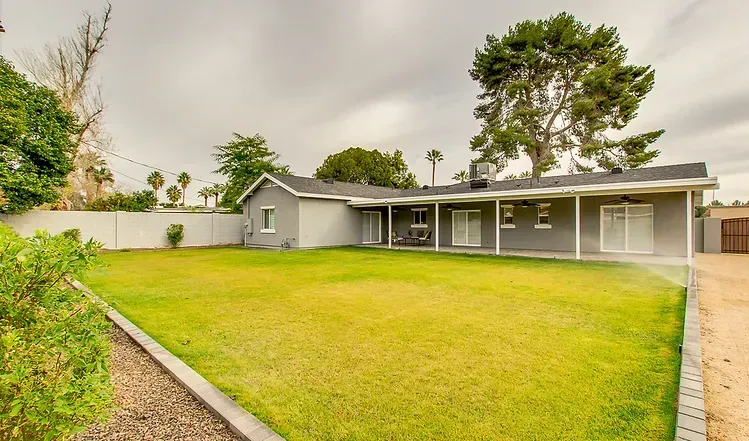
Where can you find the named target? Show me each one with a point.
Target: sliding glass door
(627, 228)
(371, 230)
(467, 228)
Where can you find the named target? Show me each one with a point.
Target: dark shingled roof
(647, 174)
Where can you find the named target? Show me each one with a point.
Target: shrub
(73, 234)
(54, 377)
(175, 233)
(137, 201)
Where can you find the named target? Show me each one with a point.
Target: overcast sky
(317, 77)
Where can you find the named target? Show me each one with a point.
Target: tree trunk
(205, 200)
(183, 196)
(434, 166)
(215, 204)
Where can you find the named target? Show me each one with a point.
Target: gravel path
(150, 404)
(723, 281)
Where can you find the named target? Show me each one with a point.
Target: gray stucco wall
(669, 222)
(712, 235)
(699, 235)
(327, 222)
(286, 212)
(525, 235)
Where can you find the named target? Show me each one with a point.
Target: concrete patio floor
(606, 257)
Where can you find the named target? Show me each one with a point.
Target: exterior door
(627, 228)
(371, 230)
(467, 228)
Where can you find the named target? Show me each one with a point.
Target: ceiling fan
(525, 204)
(624, 200)
(451, 207)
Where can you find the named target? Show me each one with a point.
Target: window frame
(270, 228)
(422, 217)
(539, 225)
(626, 229)
(504, 224)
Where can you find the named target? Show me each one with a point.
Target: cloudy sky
(317, 77)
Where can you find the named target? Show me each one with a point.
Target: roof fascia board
(585, 190)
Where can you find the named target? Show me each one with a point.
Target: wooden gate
(735, 235)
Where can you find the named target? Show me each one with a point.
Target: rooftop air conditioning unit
(482, 171)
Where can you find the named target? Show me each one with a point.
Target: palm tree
(173, 193)
(460, 176)
(434, 156)
(156, 181)
(510, 177)
(217, 189)
(205, 193)
(100, 176)
(525, 174)
(184, 179)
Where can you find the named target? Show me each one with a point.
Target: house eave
(707, 183)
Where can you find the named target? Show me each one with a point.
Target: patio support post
(496, 225)
(577, 227)
(690, 215)
(390, 226)
(436, 226)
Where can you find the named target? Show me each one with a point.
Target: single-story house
(637, 211)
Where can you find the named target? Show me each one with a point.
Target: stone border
(690, 417)
(241, 422)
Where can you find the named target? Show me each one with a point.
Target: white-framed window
(269, 219)
(508, 216)
(543, 216)
(627, 228)
(419, 218)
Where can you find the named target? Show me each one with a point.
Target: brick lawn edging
(690, 419)
(241, 422)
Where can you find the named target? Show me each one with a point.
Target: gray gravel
(150, 405)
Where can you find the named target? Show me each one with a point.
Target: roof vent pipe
(425, 187)
(328, 181)
(617, 171)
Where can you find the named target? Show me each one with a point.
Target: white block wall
(134, 230)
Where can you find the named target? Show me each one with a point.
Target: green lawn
(364, 344)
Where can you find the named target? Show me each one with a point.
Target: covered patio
(646, 227)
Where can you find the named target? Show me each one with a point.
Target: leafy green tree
(55, 349)
(556, 86)
(173, 193)
(205, 193)
(184, 179)
(369, 167)
(101, 176)
(142, 200)
(434, 156)
(156, 181)
(36, 144)
(700, 210)
(461, 176)
(242, 160)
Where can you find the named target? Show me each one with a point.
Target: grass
(363, 344)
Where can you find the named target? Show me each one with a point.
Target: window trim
(503, 224)
(626, 229)
(262, 219)
(413, 215)
(547, 225)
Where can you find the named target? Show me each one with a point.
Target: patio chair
(394, 237)
(426, 239)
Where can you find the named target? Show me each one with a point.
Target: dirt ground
(723, 282)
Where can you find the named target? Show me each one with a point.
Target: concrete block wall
(133, 230)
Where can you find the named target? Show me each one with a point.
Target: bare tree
(67, 66)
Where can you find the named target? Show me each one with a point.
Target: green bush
(142, 200)
(54, 350)
(175, 233)
(72, 234)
